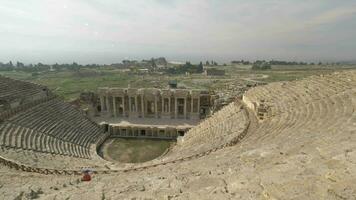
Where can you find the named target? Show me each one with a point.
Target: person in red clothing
(86, 176)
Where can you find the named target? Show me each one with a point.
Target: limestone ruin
(150, 112)
(286, 140)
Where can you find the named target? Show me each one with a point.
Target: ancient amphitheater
(285, 140)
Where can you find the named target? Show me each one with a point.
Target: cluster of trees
(242, 62)
(187, 67)
(42, 67)
(151, 63)
(10, 65)
(212, 63)
(275, 62)
(22, 67)
(264, 65)
(261, 65)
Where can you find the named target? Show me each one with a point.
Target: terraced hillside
(288, 140)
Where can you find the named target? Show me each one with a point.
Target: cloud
(196, 29)
(332, 16)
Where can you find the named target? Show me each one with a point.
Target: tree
(187, 67)
(19, 64)
(207, 63)
(246, 62)
(153, 64)
(261, 66)
(200, 68)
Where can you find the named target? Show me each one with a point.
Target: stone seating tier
(318, 104)
(51, 127)
(18, 88)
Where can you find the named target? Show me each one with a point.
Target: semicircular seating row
(318, 103)
(52, 130)
(12, 89)
(323, 104)
(213, 133)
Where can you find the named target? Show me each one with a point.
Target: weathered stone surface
(303, 149)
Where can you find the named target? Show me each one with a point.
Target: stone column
(114, 105)
(136, 103)
(198, 105)
(166, 133)
(123, 106)
(142, 107)
(156, 104)
(162, 109)
(175, 108)
(169, 105)
(107, 104)
(102, 103)
(191, 105)
(185, 107)
(130, 104)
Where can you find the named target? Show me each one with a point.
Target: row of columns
(105, 105)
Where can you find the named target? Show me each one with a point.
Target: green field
(69, 84)
(134, 150)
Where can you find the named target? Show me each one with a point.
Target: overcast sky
(107, 31)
